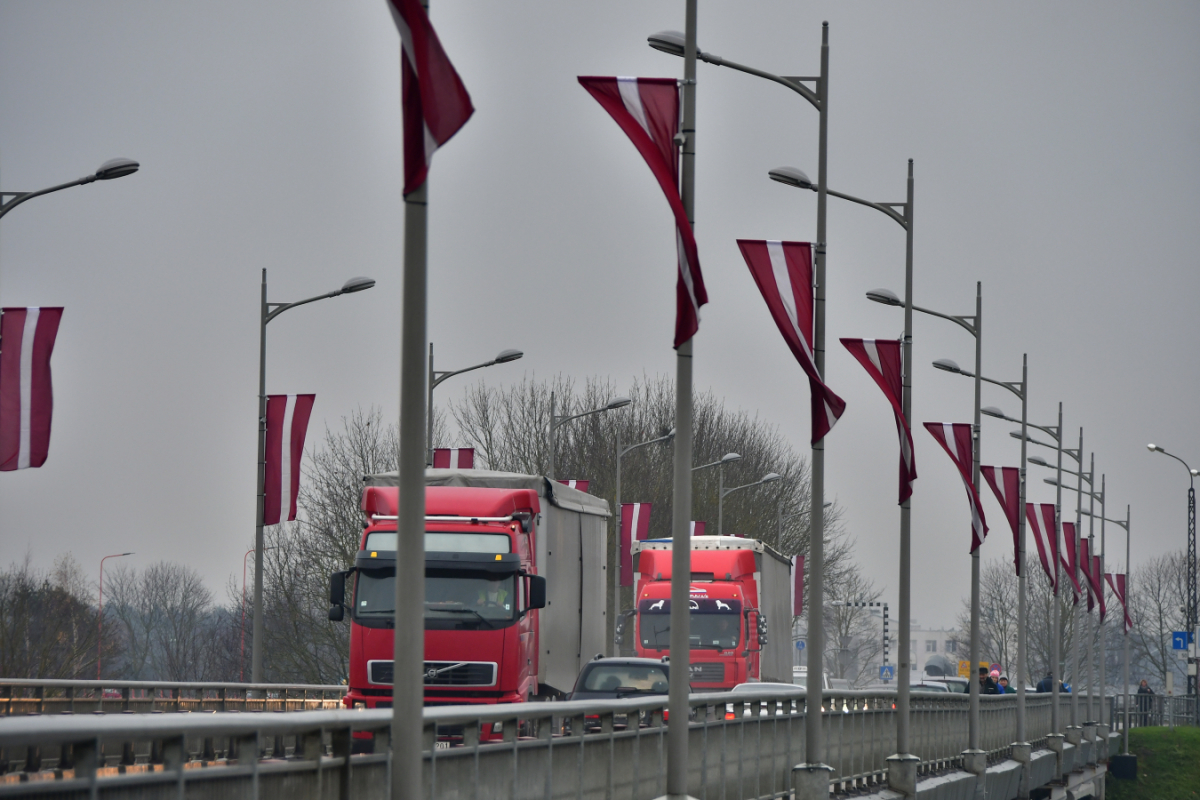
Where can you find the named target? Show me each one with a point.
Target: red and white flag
(783, 272)
(574, 484)
(1096, 570)
(955, 439)
(435, 102)
(454, 458)
(1069, 555)
(883, 361)
(798, 587)
(1007, 488)
(697, 528)
(26, 395)
(1117, 582)
(287, 422)
(1044, 536)
(647, 109)
(635, 523)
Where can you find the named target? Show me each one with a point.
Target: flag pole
(681, 510)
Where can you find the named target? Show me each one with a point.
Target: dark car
(612, 678)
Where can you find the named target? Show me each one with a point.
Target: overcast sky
(1057, 151)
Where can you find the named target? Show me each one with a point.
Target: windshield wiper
(465, 610)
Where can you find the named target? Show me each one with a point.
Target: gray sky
(1057, 160)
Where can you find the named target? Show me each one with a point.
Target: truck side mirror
(337, 596)
(537, 592)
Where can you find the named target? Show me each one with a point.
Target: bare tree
(998, 588)
(1157, 602)
(855, 642)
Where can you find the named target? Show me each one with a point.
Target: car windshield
(649, 678)
(470, 599)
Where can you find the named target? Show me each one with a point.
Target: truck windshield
(715, 624)
(455, 599)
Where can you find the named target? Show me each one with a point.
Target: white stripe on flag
(783, 283)
(633, 524)
(26, 385)
(873, 354)
(285, 460)
(631, 96)
(685, 272)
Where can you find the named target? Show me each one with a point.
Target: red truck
(740, 601)
(514, 588)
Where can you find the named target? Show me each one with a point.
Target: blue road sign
(1180, 640)
(799, 644)
(887, 672)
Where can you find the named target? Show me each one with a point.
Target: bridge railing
(741, 745)
(1153, 709)
(31, 696)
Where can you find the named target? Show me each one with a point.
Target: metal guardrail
(742, 745)
(31, 696)
(1153, 709)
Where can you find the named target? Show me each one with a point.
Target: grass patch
(1168, 765)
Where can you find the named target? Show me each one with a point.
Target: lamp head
(670, 42)
(728, 457)
(116, 168)
(791, 176)
(128, 554)
(617, 402)
(1041, 462)
(771, 477)
(1195, 472)
(505, 356)
(357, 285)
(993, 411)
(949, 365)
(669, 434)
(885, 296)
(1152, 447)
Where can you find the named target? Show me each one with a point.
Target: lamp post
(436, 378)
(813, 774)
(100, 609)
(268, 312)
(113, 168)
(615, 569)
(1190, 566)
(1021, 747)
(770, 477)
(242, 655)
(975, 757)
(728, 458)
(1125, 647)
(557, 421)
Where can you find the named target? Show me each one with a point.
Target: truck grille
(708, 672)
(440, 673)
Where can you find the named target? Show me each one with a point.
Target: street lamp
(974, 758)
(1021, 748)
(1125, 648)
(770, 477)
(556, 421)
(242, 654)
(813, 774)
(616, 563)
(113, 168)
(1191, 561)
(436, 378)
(728, 458)
(268, 312)
(100, 612)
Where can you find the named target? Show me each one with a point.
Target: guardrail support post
(1054, 741)
(811, 781)
(1102, 733)
(1089, 736)
(342, 739)
(33, 758)
(902, 774)
(1022, 752)
(88, 759)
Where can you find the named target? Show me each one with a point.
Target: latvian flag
(1069, 557)
(955, 439)
(574, 484)
(1117, 582)
(454, 458)
(647, 109)
(1006, 485)
(1045, 536)
(883, 361)
(287, 422)
(783, 272)
(697, 528)
(798, 586)
(435, 102)
(1097, 569)
(635, 523)
(26, 396)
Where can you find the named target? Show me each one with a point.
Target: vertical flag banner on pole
(698, 528)
(1117, 582)
(1047, 549)
(783, 272)
(1069, 556)
(798, 588)
(454, 458)
(574, 484)
(883, 361)
(955, 439)
(1006, 485)
(26, 396)
(435, 102)
(647, 109)
(1085, 566)
(287, 422)
(1099, 584)
(635, 523)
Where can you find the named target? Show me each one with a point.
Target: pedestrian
(986, 684)
(1003, 683)
(1046, 684)
(1145, 702)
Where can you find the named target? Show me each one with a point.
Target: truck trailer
(515, 571)
(740, 601)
